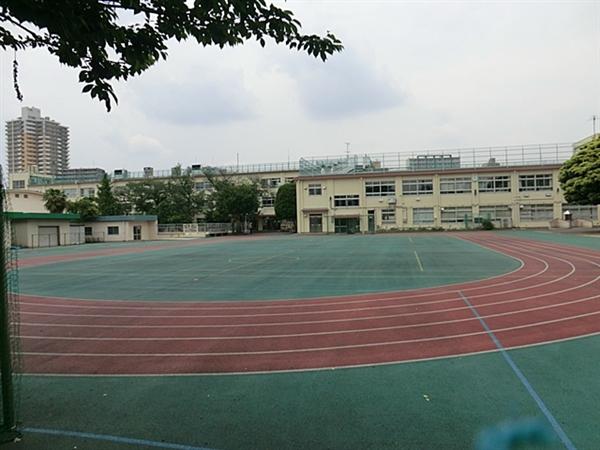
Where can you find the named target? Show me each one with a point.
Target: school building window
(203, 186)
(267, 201)
(315, 189)
(417, 187)
(495, 183)
(88, 231)
(380, 188)
(422, 215)
(388, 215)
(456, 214)
(270, 182)
(112, 231)
(531, 213)
(585, 212)
(345, 201)
(495, 212)
(18, 184)
(538, 182)
(455, 185)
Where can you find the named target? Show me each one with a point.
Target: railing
(447, 159)
(192, 228)
(233, 169)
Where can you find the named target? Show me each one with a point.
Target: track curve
(554, 295)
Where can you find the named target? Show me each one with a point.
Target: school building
(455, 189)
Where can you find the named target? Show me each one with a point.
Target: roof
(128, 218)
(40, 216)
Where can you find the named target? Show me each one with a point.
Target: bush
(487, 224)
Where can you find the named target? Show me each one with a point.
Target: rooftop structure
(448, 159)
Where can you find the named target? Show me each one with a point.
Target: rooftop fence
(447, 159)
(150, 172)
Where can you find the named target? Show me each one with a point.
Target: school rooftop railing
(447, 159)
(150, 172)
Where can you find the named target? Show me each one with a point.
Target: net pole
(9, 423)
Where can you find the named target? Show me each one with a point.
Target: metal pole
(9, 423)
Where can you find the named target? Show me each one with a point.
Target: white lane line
(316, 349)
(320, 333)
(419, 261)
(311, 369)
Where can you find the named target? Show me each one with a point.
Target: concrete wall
(27, 233)
(26, 201)
(100, 229)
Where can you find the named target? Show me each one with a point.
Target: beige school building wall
(122, 228)
(26, 200)
(526, 197)
(44, 229)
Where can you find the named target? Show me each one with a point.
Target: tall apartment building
(36, 143)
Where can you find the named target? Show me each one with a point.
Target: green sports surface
(263, 269)
(380, 407)
(426, 405)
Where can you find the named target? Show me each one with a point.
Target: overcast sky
(413, 76)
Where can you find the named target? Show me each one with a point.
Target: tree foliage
(231, 201)
(173, 201)
(115, 39)
(86, 208)
(108, 205)
(285, 202)
(55, 200)
(580, 175)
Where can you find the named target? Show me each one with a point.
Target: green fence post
(8, 425)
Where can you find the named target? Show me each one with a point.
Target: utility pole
(594, 118)
(348, 149)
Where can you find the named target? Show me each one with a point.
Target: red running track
(554, 295)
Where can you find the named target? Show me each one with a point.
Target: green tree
(107, 202)
(580, 175)
(55, 200)
(182, 202)
(285, 202)
(146, 197)
(230, 201)
(85, 207)
(115, 39)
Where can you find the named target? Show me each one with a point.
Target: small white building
(44, 229)
(135, 227)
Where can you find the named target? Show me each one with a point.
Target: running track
(554, 295)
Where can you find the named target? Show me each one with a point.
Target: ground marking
(538, 400)
(419, 261)
(309, 369)
(110, 438)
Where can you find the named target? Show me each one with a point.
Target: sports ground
(410, 341)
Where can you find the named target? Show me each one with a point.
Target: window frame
(457, 214)
(380, 188)
(499, 183)
(315, 189)
(110, 230)
(495, 208)
(454, 183)
(423, 210)
(346, 201)
(424, 186)
(536, 182)
(270, 204)
(388, 215)
(532, 209)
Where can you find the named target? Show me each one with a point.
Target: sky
(413, 76)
